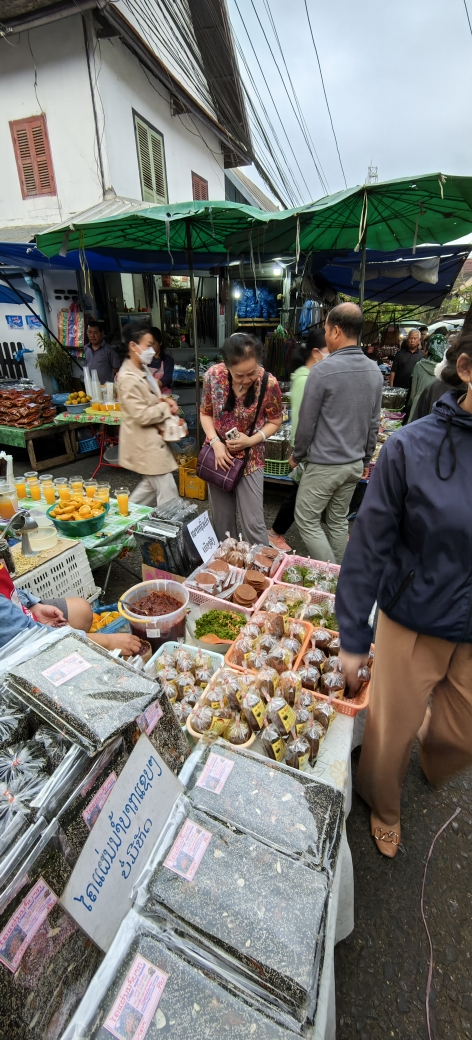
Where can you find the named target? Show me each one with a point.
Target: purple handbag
(228, 479)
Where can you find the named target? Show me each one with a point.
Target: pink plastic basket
(217, 601)
(304, 594)
(213, 603)
(292, 561)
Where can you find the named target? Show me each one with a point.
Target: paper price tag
(203, 536)
(66, 669)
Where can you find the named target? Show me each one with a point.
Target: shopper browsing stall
(411, 550)
(337, 430)
(303, 359)
(162, 364)
(143, 410)
(406, 359)
(239, 396)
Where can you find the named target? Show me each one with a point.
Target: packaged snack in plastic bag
(331, 664)
(238, 731)
(297, 752)
(183, 660)
(333, 684)
(296, 631)
(313, 733)
(273, 744)
(184, 681)
(86, 801)
(334, 646)
(290, 686)
(321, 638)
(324, 714)
(12, 723)
(296, 814)
(26, 759)
(363, 677)
(16, 797)
(281, 659)
(265, 643)
(203, 675)
(306, 699)
(314, 658)
(259, 619)
(267, 682)
(168, 674)
(250, 631)
(170, 689)
(201, 718)
(302, 718)
(281, 715)
(150, 985)
(277, 621)
(310, 677)
(255, 660)
(291, 644)
(279, 949)
(47, 961)
(55, 745)
(165, 660)
(241, 648)
(254, 709)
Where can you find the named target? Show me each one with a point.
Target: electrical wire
(324, 92)
(299, 108)
(307, 141)
(468, 16)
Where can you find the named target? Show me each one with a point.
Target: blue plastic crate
(90, 444)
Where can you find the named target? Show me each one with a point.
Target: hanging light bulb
(278, 270)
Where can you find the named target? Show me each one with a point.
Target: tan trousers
(409, 667)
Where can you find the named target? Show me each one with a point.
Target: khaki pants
(155, 491)
(409, 667)
(330, 488)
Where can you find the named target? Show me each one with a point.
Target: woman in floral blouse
(229, 399)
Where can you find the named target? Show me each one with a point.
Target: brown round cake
(245, 596)
(218, 567)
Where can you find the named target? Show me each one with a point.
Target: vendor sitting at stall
(162, 364)
(100, 356)
(20, 610)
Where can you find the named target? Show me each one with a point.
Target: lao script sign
(203, 536)
(97, 894)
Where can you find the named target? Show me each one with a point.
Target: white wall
(63, 92)
(123, 87)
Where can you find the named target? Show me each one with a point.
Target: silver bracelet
(213, 440)
(264, 438)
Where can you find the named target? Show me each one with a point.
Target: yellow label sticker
(287, 717)
(303, 760)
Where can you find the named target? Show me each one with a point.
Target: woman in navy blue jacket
(411, 550)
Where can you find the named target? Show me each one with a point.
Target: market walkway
(382, 968)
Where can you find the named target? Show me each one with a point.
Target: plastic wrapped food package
(281, 659)
(254, 710)
(170, 690)
(256, 659)
(290, 686)
(266, 643)
(332, 664)
(260, 620)
(306, 699)
(321, 638)
(313, 733)
(213, 892)
(314, 658)
(324, 714)
(241, 648)
(302, 718)
(333, 684)
(267, 682)
(17, 797)
(298, 815)
(277, 621)
(238, 731)
(181, 1000)
(25, 760)
(183, 683)
(272, 743)
(86, 801)
(168, 674)
(281, 715)
(55, 745)
(291, 644)
(48, 963)
(178, 710)
(250, 631)
(296, 631)
(183, 660)
(12, 724)
(158, 721)
(297, 752)
(201, 718)
(203, 675)
(77, 687)
(334, 646)
(309, 677)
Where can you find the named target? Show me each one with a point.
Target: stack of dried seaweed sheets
(244, 902)
(289, 810)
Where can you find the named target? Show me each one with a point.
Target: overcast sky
(398, 78)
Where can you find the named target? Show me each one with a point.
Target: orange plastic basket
(296, 664)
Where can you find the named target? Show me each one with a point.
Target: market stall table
(22, 438)
(115, 536)
(100, 419)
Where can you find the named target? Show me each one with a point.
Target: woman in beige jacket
(143, 410)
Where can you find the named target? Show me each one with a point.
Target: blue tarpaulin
(423, 278)
(122, 261)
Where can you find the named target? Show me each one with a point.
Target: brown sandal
(387, 841)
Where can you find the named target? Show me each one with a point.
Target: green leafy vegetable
(222, 623)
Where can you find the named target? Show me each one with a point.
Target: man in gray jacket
(336, 433)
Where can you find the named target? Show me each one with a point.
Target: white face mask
(146, 355)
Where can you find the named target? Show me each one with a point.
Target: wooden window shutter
(199, 187)
(151, 162)
(33, 156)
